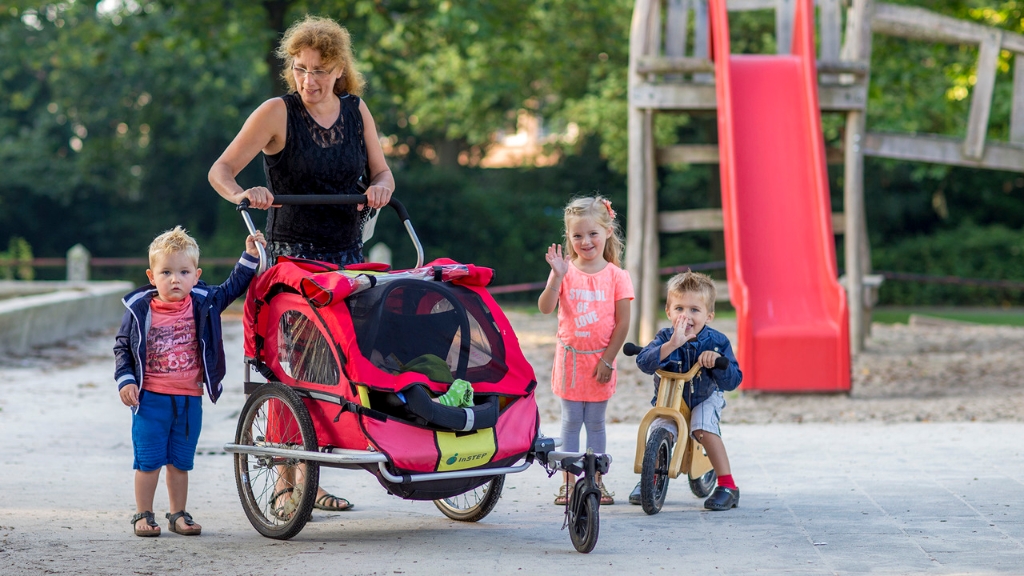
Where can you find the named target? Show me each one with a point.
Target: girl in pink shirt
(592, 294)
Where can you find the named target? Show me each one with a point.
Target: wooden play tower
(671, 72)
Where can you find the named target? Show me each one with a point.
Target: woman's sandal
(154, 528)
(321, 503)
(282, 512)
(188, 530)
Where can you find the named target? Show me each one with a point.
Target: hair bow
(608, 205)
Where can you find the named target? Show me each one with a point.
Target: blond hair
(598, 209)
(694, 282)
(172, 242)
(334, 44)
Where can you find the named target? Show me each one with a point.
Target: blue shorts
(165, 430)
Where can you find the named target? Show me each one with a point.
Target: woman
(317, 139)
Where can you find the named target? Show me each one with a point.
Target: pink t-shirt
(586, 319)
(173, 363)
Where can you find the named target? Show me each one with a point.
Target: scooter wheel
(584, 520)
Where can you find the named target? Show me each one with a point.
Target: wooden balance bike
(664, 448)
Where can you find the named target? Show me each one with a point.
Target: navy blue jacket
(207, 304)
(682, 359)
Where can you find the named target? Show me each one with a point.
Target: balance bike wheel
(654, 472)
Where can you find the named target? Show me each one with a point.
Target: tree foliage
(112, 113)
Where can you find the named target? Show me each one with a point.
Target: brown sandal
(154, 528)
(188, 530)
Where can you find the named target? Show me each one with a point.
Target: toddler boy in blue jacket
(690, 305)
(168, 347)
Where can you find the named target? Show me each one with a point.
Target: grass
(991, 316)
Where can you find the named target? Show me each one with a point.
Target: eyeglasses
(316, 74)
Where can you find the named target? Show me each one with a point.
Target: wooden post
(78, 264)
(981, 96)
(831, 28)
(784, 10)
(649, 275)
(637, 176)
(701, 38)
(650, 281)
(857, 48)
(1017, 111)
(676, 32)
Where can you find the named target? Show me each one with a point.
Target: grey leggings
(577, 414)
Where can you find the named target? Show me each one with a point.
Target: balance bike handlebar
(631, 349)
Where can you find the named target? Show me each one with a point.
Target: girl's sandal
(154, 528)
(188, 530)
(563, 496)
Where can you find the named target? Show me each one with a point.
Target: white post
(380, 253)
(78, 264)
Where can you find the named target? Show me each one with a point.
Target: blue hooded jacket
(207, 304)
(682, 359)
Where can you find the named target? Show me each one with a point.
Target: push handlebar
(328, 199)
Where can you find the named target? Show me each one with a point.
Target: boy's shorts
(165, 430)
(707, 415)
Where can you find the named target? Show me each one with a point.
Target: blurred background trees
(111, 114)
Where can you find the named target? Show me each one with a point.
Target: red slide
(792, 315)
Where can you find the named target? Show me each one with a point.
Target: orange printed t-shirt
(173, 364)
(586, 319)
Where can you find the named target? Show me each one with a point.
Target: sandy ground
(65, 484)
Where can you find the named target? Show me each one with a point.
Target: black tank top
(317, 160)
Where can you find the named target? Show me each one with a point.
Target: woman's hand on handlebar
(259, 197)
(377, 196)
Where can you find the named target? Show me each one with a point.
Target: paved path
(816, 499)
